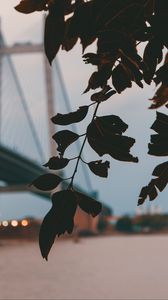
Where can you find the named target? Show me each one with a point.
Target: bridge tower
(28, 48)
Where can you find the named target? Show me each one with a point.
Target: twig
(80, 153)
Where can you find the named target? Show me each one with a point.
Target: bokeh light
(14, 223)
(5, 223)
(25, 223)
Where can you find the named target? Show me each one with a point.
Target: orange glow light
(24, 223)
(14, 223)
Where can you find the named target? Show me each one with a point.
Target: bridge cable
(24, 103)
(26, 110)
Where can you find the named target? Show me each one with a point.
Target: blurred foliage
(154, 222)
(125, 224)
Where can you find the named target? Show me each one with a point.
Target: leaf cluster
(157, 147)
(105, 136)
(117, 27)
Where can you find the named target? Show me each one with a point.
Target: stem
(80, 153)
(82, 134)
(67, 178)
(73, 158)
(83, 161)
(92, 103)
(76, 167)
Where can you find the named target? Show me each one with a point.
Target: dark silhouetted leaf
(161, 172)
(121, 79)
(64, 138)
(162, 75)
(158, 21)
(58, 220)
(47, 182)
(54, 30)
(111, 125)
(91, 58)
(159, 142)
(70, 118)
(69, 41)
(160, 169)
(104, 135)
(160, 98)
(69, 7)
(29, 6)
(84, 24)
(99, 168)
(56, 163)
(158, 145)
(132, 66)
(89, 205)
(161, 124)
(152, 56)
(98, 79)
(103, 95)
(149, 8)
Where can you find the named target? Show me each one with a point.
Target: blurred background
(122, 253)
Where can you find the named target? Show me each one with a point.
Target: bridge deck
(18, 171)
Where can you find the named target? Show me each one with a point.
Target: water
(121, 267)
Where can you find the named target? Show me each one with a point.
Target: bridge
(17, 167)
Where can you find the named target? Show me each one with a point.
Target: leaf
(162, 75)
(69, 41)
(111, 124)
(149, 8)
(56, 163)
(54, 30)
(160, 169)
(91, 58)
(152, 56)
(72, 117)
(29, 6)
(103, 95)
(99, 78)
(158, 145)
(69, 7)
(89, 205)
(161, 172)
(158, 21)
(161, 124)
(133, 68)
(64, 138)
(104, 135)
(160, 98)
(84, 23)
(47, 182)
(58, 220)
(121, 78)
(159, 142)
(99, 168)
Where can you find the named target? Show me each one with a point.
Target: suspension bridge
(21, 150)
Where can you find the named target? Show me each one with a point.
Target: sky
(121, 189)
